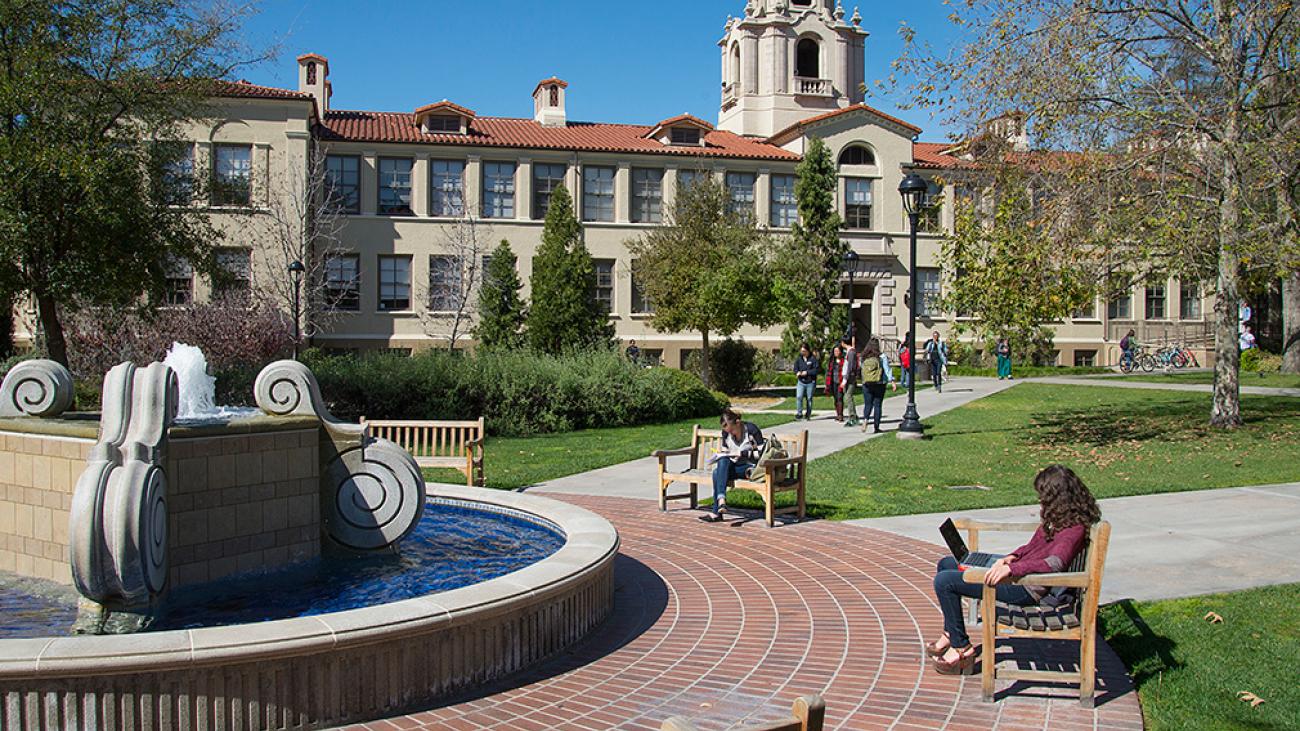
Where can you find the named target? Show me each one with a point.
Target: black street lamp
(851, 264)
(914, 190)
(295, 270)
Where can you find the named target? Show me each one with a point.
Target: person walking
(905, 361)
(1247, 339)
(1128, 346)
(936, 353)
(1004, 359)
(876, 374)
(833, 387)
(849, 375)
(805, 387)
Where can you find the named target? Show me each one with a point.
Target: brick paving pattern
(727, 623)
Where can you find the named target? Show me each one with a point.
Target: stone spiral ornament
(372, 491)
(36, 388)
(118, 519)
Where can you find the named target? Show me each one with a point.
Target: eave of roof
(452, 107)
(798, 128)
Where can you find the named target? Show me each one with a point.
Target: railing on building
(804, 86)
(730, 94)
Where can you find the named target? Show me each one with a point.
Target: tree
(454, 274)
(809, 265)
(85, 218)
(704, 268)
(1174, 110)
(501, 308)
(565, 314)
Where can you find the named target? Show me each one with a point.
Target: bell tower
(788, 60)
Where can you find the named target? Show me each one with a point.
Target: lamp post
(295, 270)
(851, 264)
(913, 189)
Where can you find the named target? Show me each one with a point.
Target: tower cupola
(313, 78)
(548, 102)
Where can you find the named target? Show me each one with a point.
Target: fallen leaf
(1213, 618)
(1246, 696)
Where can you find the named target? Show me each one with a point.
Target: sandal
(711, 517)
(963, 665)
(934, 650)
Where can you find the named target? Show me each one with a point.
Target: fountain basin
(328, 669)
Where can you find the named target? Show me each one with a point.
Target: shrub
(1259, 361)
(733, 366)
(518, 392)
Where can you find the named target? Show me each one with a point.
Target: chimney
(548, 102)
(313, 78)
(1010, 128)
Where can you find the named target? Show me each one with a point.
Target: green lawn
(1268, 380)
(513, 462)
(1120, 441)
(1189, 671)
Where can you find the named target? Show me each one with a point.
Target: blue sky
(633, 61)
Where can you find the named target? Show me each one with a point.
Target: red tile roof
(313, 57)
(684, 119)
(447, 106)
(553, 80)
(784, 135)
(526, 133)
(245, 89)
(934, 155)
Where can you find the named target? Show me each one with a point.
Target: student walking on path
(849, 375)
(1004, 358)
(936, 352)
(905, 360)
(805, 387)
(833, 368)
(876, 373)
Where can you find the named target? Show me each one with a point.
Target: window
(641, 305)
(807, 59)
(857, 155)
(927, 292)
(785, 210)
(343, 282)
(1155, 301)
(394, 283)
(394, 186)
(343, 183)
(605, 283)
(685, 135)
(445, 279)
(1087, 312)
(232, 175)
(446, 188)
(857, 203)
(687, 178)
(597, 193)
(175, 179)
(546, 178)
(1085, 358)
(238, 282)
(647, 195)
(1189, 301)
(498, 190)
(931, 218)
(180, 283)
(442, 123)
(1120, 307)
(740, 188)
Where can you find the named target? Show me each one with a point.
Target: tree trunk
(1291, 322)
(1225, 410)
(704, 359)
(54, 341)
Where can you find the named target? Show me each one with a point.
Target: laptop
(957, 545)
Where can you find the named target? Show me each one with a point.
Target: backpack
(871, 371)
(1123, 343)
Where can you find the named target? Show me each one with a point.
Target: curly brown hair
(1064, 500)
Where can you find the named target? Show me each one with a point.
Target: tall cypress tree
(810, 266)
(501, 309)
(565, 314)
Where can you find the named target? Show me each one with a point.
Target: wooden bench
(1071, 621)
(809, 715)
(454, 444)
(778, 475)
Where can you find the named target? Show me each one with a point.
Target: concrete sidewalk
(1168, 545)
(636, 479)
(1111, 382)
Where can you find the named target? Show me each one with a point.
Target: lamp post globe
(913, 189)
(296, 270)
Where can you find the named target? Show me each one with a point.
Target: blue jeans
(873, 398)
(907, 376)
(803, 394)
(950, 587)
(724, 471)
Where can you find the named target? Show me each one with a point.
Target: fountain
(166, 507)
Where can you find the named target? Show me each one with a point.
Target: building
(791, 70)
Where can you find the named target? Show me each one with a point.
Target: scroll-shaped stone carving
(118, 521)
(36, 388)
(372, 491)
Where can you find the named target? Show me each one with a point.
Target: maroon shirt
(1043, 555)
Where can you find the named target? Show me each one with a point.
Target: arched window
(311, 72)
(735, 64)
(555, 96)
(807, 59)
(857, 155)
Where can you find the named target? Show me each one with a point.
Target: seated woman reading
(742, 442)
(1068, 510)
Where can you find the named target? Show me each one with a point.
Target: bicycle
(1167, 357)
(1140, 358)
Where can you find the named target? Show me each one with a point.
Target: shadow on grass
(1169, 421)
(1145, 653)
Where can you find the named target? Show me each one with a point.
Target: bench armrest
(1078, 579)
(972, 524)
(474, 443)
(662, 453)
(786, 462)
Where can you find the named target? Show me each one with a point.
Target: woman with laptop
(1067, 511)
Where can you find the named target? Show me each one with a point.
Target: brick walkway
(729, 623)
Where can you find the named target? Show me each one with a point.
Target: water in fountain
(197, 388)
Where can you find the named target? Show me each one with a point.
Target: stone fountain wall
(37, 473)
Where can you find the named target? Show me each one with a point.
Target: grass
(514, 462)
(1120, 441)
(1188, 671)
(1268, 380)
(1027, 371)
